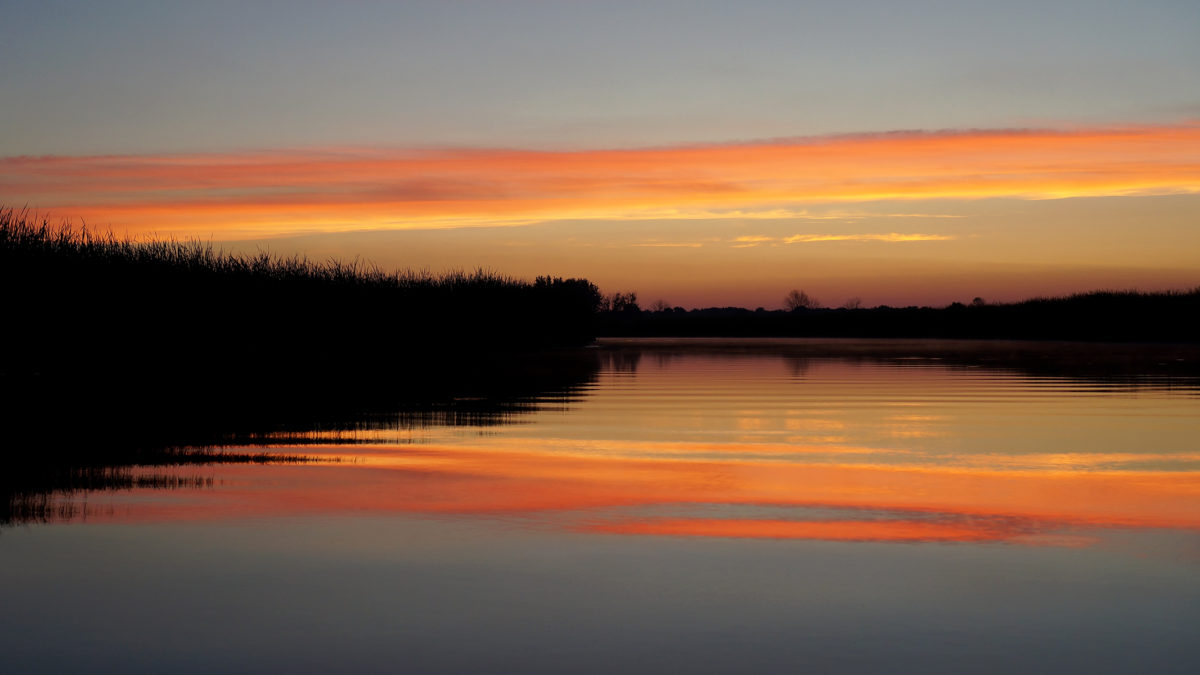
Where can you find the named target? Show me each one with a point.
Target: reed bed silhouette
(111, 336)
(191, 283)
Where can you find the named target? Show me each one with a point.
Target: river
(696, 506)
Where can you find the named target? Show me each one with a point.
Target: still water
(689, 509)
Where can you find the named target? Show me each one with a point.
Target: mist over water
(708, 506)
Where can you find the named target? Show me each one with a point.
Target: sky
(699, 153)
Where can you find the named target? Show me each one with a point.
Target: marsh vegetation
(179, 333)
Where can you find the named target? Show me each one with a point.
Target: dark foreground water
(691, 509)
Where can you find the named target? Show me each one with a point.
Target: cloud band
(257, 193)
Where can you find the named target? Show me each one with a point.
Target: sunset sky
(701, 153)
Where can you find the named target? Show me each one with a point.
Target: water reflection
(680, 509)
(741, 441)
(57, 464)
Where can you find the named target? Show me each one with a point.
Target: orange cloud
(891, 236)
(263, 193)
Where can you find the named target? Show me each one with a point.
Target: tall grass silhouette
(184, 336)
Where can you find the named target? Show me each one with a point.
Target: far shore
(1097, 316)
(1050, 357)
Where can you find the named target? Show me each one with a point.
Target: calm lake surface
(696, 507)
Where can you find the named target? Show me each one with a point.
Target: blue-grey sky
(163, 76)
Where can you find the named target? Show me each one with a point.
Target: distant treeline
(177, 333)
(1113, 316)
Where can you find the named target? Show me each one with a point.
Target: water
(690, 509)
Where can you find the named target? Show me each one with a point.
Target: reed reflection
(58, 472)
(710, 444)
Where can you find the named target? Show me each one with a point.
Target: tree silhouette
(622, 302)
(798, 299)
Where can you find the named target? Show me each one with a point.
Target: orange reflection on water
(919, 503)
(668, 448)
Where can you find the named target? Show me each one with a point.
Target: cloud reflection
(700, 445)
(594, 493)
